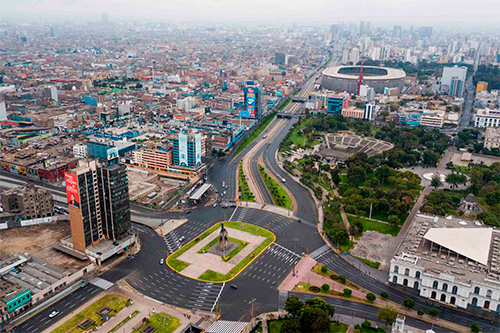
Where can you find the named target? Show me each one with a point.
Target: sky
(439, 12)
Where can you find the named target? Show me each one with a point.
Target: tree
(420, 312)
(409, 303)
(293, 306)
(366, 324)
(436, 181)
(474, 328)
(371, 297)
(324, 269)
(384, 295)
(387, 315)
(347, 292)
(339, 236)
(319, 303)
(393, 220)
(325, 287)
(356, 175)
(314, 320)
(450, 166)
(290, 326)
(434, 312)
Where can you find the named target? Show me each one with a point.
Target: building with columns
(450, 260)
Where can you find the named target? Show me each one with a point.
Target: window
(474, 301)
(435, 284)
(445, 287)
(477, 290)
(443, 297)
(417, 275)
(488, 293)
(396, 269)
(395, 279)
(407, 271)
(454, 290)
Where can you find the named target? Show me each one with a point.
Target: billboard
(112, 153)
(250, 101)
(71, 182)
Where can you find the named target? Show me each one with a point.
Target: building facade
(28, 201)
(337, 103)
(98, 202)
(492, 138)
(487, 118)
(252, 101)
(187, 150)
(157, 159)
(80, 151)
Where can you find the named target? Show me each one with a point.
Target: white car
(53, 314)
(161, 261)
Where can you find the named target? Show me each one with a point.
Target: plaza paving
(199, 263)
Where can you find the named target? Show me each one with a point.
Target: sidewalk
(146, 307)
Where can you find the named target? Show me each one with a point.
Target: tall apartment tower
(187, 150)
(98, 202)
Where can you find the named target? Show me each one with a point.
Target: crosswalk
(172, 241)
(102, 283)
(282, 297)
(205, 295)
(319, 252)
(273, 265)
(274, 222)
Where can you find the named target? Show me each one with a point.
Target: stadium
(346, 78)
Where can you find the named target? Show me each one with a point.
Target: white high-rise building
(449, 73)
(354, 56)
(369, 109)
(3, 112)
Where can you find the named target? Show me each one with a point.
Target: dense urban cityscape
(161, 176)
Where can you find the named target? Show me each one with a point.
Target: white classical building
(487, 118)
(451, 261)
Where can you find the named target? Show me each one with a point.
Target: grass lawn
(247, 140)
(163, 322)
(274, 326)
(297, 138)
(246, 194)
(383, 228)
(113, 301)
(280, 196)
(374, 264)
(329, 273)
(213, 276)
(338, 327)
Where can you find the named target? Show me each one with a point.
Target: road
(469, 98)
(261, 278)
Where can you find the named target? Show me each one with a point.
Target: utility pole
(251, 302)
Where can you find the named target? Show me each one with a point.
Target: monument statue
(223, 241)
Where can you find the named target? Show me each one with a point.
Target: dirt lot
(38, 240)
(374, 246)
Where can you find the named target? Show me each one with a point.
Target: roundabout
(221, 252)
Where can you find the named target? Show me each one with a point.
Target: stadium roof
(392, 73)
(199, 192)
(473, 243)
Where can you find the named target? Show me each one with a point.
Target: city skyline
(383, 12)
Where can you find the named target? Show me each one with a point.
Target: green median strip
(263, 124)
(246, 194)
(279, 194)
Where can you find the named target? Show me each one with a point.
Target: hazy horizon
(442, 13)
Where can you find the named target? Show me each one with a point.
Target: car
(188, 212)
(53, 314)
(182, 238)
(215, 204)
(84, 284)
(161, 261)
(233, 286)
